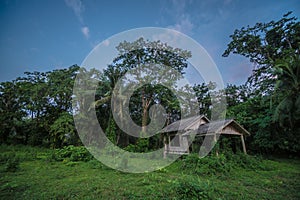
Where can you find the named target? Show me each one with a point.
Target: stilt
(243, 144)
(215, 142)
(165, 147)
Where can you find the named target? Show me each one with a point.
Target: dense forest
(36, 109)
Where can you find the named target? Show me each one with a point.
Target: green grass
(39, 177)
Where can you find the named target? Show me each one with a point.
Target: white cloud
(178, 10)
(85, 31)
(183, 25)
(191, 15)
(77, 7)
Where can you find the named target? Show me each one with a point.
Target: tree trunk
(144, 119)
(145, 104)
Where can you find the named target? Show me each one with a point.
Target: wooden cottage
(176, 143)
(181, 132)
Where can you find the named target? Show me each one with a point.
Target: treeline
(34, 106)
(36, 109)
(272, 113)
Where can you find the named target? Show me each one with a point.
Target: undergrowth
(25, 171)
(189, 188)
(71, 153)
(10, 161)
(221, 164)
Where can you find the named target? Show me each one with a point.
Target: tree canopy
(273, 48)
(36, 109)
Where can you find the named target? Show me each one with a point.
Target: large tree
(273, 48)
(144, 61)
(11, 111)
(150, 59)
(31, 104)
(265, 44)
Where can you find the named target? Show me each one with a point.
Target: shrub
(130, 148)
(12, 163)
(25, 153)
(210, 165)
(191, 189)
(30, 156)
(71, 164)
(4, 157)
(142, 145)
(244, 161)
(72, 153)
(81, 154)
(222, 164)
(95, 164)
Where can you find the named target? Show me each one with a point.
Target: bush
(191, 189)
(245, 161)
(72, 153)
(4, 157)
(142, 145)
(25, 153)
(95, 164)
(12, 162)
(130, 148)
(222, 164)
(210, 165)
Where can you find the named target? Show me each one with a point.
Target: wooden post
(165, 147)
(243, 144)
(185, 143)
(215, 142)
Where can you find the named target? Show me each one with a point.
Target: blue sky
(45, 35)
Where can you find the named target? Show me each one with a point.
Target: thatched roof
(191, 123)
(220, 127)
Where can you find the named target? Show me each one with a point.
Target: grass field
(40, 177)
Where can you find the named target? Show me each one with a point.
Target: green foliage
(142, 145)
(5, 156)
(130, 147)
(25, 153)
(203, 94)
(266, 42)
(248, 162)
(39, 179)
(11, 161)
(210, 165)
(10, 111)
(111, 130)
(35, 109)
(63, 131)
(191, 189)
(30, 104)
(287, 92)
(274, 103)
(155, 58)
(222, 164)
(72, 153)
(12, 164)
(95, 164)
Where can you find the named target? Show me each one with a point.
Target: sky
(46, 35)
